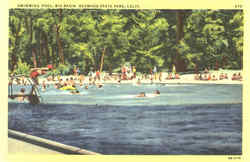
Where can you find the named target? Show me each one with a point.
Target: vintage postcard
(125, 78)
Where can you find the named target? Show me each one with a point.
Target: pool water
(185, 119)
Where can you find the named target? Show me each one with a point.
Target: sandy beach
(184, 79)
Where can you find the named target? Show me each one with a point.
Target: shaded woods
(106, 39)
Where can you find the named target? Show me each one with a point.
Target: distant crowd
(127, 74)
(98, 79)
(206, 75)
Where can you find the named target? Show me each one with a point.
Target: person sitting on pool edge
(142, 94)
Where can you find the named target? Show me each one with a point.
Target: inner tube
(68, 88)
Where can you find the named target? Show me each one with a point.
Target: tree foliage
(107, 39)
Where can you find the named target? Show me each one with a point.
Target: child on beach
(205, 77)
(209, 77)
(98, 75)
(214, 78)
(160, 77)
(196, 77)
(239, 77)
(134, 72)
(177, 76)
(169, 76)
(221, 77)
(234, 77)
(225, 76)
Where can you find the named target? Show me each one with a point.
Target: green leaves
(22, 68)
(144, 38)
(215, 33)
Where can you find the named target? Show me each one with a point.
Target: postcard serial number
(234, 158)
(238, 6)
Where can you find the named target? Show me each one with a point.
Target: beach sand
(184, 79)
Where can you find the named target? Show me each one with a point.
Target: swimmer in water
(119, 82)
(142, 94)
(43, 86)
(75, 92)
(99, 85)
(138, 81)
(157, 92)
(21, 97)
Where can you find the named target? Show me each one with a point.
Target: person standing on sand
(206, 70)
(124, 71)
(160, 77)
(134, 72)
(75, 70)
(174, 70)
(98, 75)
(155, 72)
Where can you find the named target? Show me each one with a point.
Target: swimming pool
(183, 119)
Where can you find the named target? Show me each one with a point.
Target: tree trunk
(102, 59)
(33, 50)
(14, 54)
(59, 41)
(179, 62)
(110, 69)
(59, 45)
(53, 56)
(40, 54)
(34, 57)
(241, 61)
(46, 48)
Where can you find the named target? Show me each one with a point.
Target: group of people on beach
(237, 76)
(129, 73)
(207, 76)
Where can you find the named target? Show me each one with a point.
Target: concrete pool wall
(48, 144)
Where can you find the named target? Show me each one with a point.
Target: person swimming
(142, 94)
(75, 92)
(157, 92)
(99, 85)
(21, 97)
(44, 85)
(138, 81)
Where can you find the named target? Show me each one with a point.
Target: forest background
(105, 40)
